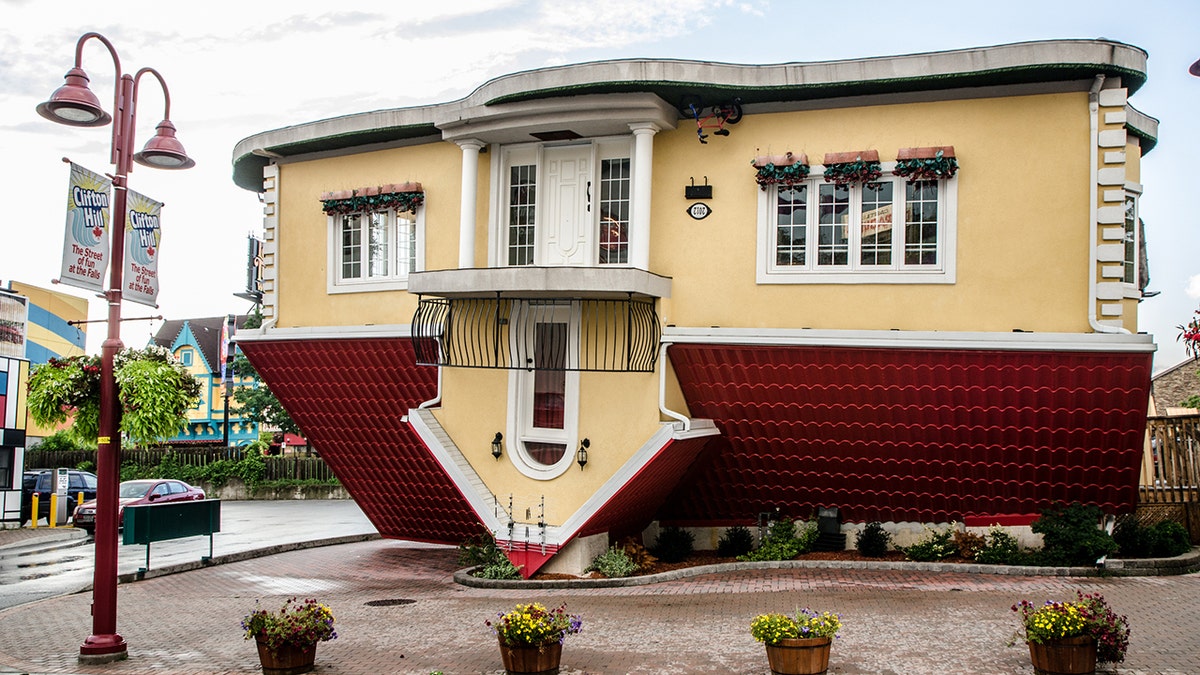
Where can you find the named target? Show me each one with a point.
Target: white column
(470, 189)
(643, 160)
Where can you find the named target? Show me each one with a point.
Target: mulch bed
(708, 558)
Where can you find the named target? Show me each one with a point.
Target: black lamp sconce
(581, 456)
(496, 445)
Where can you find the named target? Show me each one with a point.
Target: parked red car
(136, 492)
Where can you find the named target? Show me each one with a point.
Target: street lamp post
(74, 104)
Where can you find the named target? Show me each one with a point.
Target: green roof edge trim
(1131, 79)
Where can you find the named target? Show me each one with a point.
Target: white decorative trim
(402, 330)
(1114, 196)
(1111, 309)
(1111, 215)
(1110, 252)
(1115, 117)
(1114, 157)
(1108, 290)
(889, 339)
(1113, 97)
(1111, 138)
(1113, 234)
(1112, 271)
(457, 467)
(1111, 176)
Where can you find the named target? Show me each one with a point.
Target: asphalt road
(246, 527)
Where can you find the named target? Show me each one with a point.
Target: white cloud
(1193, 286)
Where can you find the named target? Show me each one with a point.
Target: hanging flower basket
(845, 168)
(926, 163)
(400, 196)
(786, 169)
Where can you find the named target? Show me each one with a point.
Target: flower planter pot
(542, 659)
(1068, 656)
(799, 656)
(287, 659)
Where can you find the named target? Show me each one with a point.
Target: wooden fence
(296, 466)
(1170, 479)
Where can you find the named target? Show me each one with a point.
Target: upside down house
(586, 299)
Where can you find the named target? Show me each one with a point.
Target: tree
(256, 401)
(155, 392)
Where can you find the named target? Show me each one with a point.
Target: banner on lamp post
(85, 244)
(142, 238)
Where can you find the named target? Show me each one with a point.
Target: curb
(1181, 564)
(52, 536)
(130, 577)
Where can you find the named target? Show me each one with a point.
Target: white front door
(566, 237)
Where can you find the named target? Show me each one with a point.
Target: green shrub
(873, 541)
(1000, 548)
(1162, 540)
(614, 563)
(1169, 539)
(62, 441)
(735, 541)
(1071, 536)
(489, 560)
(673, 544)
(783, 542)
(251, 469)
(935, 545)
(86, 465)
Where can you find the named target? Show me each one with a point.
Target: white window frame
(767, 272)
(520, 397)
(397, 280)
(505, 156)
(1132, 191)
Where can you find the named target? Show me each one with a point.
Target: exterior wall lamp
(581, 456)
(74, 104)
(496, 443)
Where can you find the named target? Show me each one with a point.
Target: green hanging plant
(779, 174)
(401, 201)
(858, 171)
(155, 393)
(927, 168)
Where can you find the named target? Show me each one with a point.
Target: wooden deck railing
(1171, 461)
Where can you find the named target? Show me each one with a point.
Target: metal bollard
(53, 517)
(33, 509)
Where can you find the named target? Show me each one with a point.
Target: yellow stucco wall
(1022, 219)
(303, 232)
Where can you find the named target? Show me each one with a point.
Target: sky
(235, 70)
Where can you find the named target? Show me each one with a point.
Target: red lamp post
(74, 104)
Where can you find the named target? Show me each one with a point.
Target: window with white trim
(543, 412)
(1130, 258)
(888, 231)
(374, 250)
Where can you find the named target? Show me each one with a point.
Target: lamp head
(582, 456)
(163, 150)
(74, 104)
(496, 445)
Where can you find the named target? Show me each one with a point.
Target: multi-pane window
(544, 409)
(821, 232)
(522, 203)
(1131, 239)
(376, 246)
(614, 211)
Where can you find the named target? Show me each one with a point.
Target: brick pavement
(896, 621)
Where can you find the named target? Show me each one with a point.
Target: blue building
(201, 345)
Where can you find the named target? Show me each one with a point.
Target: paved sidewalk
(896, 621)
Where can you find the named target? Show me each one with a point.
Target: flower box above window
(931, 163)
(400, 196)
(845, 168)
(786, 169)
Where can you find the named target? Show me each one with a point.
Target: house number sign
(699, 211)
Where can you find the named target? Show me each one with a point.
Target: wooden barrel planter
(799, 656)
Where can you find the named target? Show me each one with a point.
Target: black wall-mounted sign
(694, 191)
(699, 211)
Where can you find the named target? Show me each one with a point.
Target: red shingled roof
(348, 396)
(910, 434)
